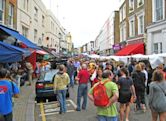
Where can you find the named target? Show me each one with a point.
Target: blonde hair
(142, 65)
(138, 67)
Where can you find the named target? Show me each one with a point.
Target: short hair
(3, 72)
(106, 74)
(158, 76)
(125, 71)
(61, 67)
(138, 67)
(84, 66)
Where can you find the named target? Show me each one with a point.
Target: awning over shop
(10, 53)
(131, 49)
(41, 52)
(50, 52)
(20, 37)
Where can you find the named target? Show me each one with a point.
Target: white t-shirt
(146, 76)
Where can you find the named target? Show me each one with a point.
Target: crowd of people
(114, 86)
(136, 83)
(12, 76)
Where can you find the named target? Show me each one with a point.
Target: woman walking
(126, 90)
(157, 96)
(139, 84)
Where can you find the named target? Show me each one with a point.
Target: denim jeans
(61, 97)
(82, 92)
(105, 118)
(72, 80)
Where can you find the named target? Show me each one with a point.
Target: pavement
(48, 111)
(24, 106)
(25, 109)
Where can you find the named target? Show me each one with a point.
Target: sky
(82, 18)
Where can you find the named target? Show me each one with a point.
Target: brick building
(135, 16)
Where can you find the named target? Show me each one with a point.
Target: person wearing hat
(61, 80)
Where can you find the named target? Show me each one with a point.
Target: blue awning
(20, 37)
(10, 53)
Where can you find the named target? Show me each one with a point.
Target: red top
(96, 80)
(83, 76)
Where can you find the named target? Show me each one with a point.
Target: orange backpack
(100, 96)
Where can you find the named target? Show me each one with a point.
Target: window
(155, 48)
(2, 7)
(124, 12)
(43, 20)
(132, 28)
(121, 14)
(141, 24)
(39, 41)
(131, 5)
(35, 13)
(140, 3)
(123, 33)
(25, 4)
(161, 47)
(159, 9)
(10, 15)
(24, 31)
(42, 37)
(158, 48)
(35, 35)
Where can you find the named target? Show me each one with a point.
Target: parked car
(45, 86)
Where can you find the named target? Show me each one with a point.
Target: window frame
(162, 7)
(36, 13)
(2, 10)
(138, 3)
(132, 34)
(131, 5)
(11, 15)
(159, 9)
(139, 23)
(43, 20)
(25, 31)
(35, 35)
(124, 12)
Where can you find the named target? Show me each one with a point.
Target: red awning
(132, 49)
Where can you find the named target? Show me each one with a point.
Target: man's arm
(91, 97)
(15, 91)
(77, 78)
(114, 98)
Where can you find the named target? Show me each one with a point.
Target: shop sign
(116, 47)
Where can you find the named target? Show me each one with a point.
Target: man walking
(61, 80)
(109, 112)
(7, 91)
(82, 78)
(70, 72)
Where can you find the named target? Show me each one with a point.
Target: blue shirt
(6, 93)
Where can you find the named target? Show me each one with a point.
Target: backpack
(100, 96)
